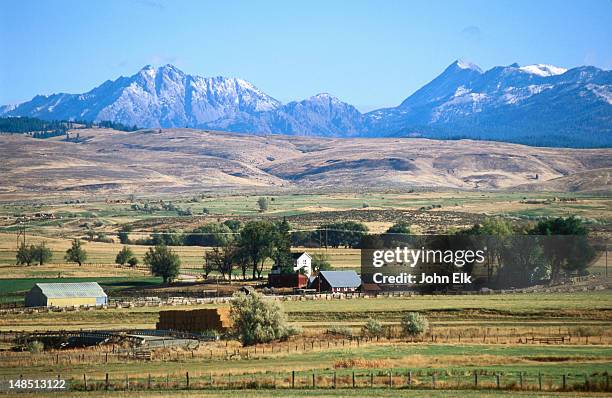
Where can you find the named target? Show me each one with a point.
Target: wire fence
(453, 379)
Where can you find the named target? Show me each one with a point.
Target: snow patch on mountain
(543, 70)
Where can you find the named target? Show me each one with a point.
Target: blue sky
(368, 53)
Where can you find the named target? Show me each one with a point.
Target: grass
(320, 393)
(510, 310)
(13, 290)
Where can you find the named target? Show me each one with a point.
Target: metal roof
(297, 255)
(76, 289)
(341, 278)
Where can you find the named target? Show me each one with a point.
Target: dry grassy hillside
(182, 160)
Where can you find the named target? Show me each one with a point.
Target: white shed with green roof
(66, 295)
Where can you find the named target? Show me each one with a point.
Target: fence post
(187, 379)
(521, 379)
(371, 379)
(149, 382)
(314, 383)
(353, 379)
(390, 379)
(540, 380)
(334, 380)
(475, 379)
(564, 382)
(127, 382)
(586, 382)
(106, 382)
(497, 380)
(409, 378)
(433, 380)
(85, 381)
(293, 379)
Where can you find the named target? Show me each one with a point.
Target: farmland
(483, 334)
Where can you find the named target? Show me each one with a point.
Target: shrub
(35, 347)
(340, 331)
(414, 324)
(373, 328)
(258, 320)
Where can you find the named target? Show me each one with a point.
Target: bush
(414, 324)
(35, 347)
(340, 331)
(372, 328)
(258, 320)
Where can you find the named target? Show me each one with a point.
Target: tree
(124, 236)
(41, 253)
(282, 250)
(76, 253)
(212, 235)
(170, 237)
(263, 204)
(346, 233)
(258, 320)
(257, 242)
(124, 255)
(133, 262)
(495, 233)
(397, 234)
(163, 262)
(399, 228)
(222, 260)
(320, 262)
(25, 254)
(414, 324)
(234, 225)
(565, 245)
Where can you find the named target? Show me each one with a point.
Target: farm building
(296, 280)
(337, 281)
(302, 267)
(195, 321)
(65, 295)
(302, 262)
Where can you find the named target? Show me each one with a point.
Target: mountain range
(541, 105)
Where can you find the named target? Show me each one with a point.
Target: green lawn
(13, 290)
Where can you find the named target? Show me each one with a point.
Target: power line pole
(21, 233)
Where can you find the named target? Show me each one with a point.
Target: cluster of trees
(52, 128)
(126, 256)
(526, 255)
(248, 247)
(40, 254)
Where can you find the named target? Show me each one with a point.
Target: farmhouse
(302, 261)
(337, 281)
(302, 267)
(65, 295)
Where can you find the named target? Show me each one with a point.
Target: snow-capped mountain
(154, 97)
(322, 115)
(533, 104)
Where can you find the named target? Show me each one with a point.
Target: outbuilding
(66, 295)
(337, 281)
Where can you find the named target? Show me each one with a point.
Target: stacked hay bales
(195, 321)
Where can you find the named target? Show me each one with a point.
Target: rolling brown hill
(183, 160)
